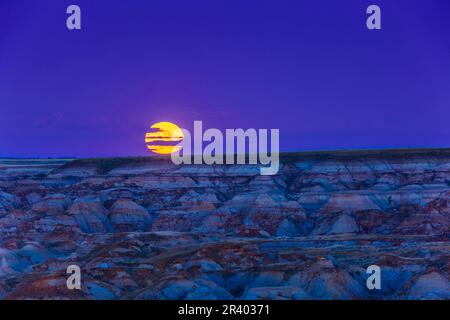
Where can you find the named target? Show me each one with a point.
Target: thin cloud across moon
(164, 137)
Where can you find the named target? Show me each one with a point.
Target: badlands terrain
(143, 228)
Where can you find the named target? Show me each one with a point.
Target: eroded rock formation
(144, 228)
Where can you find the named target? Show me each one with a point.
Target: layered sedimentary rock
(142, 228)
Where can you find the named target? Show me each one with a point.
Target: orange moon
(164, 132)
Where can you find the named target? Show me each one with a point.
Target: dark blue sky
(310, 68)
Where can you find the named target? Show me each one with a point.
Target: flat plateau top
(285, 157)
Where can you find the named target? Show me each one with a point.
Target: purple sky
(310, 68)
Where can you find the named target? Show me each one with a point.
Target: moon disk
(164, 137)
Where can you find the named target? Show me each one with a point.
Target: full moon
(164, 137)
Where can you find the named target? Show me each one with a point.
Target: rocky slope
(142, 228)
